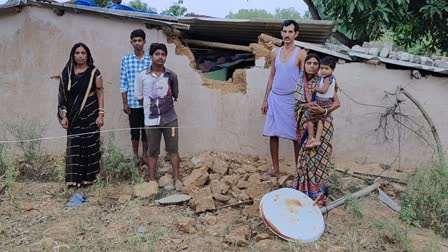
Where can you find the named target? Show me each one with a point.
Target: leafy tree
(307, 15)
(250, 14)
(412, 21)
(139, 5)
(287, 13)
(176, 9)
(102, 3)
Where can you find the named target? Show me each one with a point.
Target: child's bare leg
(317, 142)
(310, 128)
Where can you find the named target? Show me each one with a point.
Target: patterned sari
(314, 164)
(78, 98)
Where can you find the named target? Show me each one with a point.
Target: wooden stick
(429, 120)
(218, 45)
(355, 195)
(267, 38)
(388, 201)
(355, 173)
(235, 204)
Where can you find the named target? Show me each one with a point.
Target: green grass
(425, 201)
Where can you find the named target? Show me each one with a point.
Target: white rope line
(87, 133)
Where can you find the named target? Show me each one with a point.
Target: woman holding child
(314, 153)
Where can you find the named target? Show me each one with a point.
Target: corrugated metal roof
(235, 31)
(144, 17)
(244, 31)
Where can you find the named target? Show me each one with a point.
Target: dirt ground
(34, 217)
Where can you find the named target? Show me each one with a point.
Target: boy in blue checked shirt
(131, 64)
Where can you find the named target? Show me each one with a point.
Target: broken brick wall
(217, 116)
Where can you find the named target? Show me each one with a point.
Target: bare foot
(270, 174)
(144, 160)
(309, 143)
(179, 185)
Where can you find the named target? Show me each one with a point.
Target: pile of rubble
(215, 180)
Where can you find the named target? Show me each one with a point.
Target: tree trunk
(341, 37)
(313, 10)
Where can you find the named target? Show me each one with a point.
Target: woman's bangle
(101, 113)
(101, 109)
(326, 112)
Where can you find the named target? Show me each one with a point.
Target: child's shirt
(330, 92)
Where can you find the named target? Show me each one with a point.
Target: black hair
(291, 22)
(71, 60)
(157, 46)
(312, 55)
(329, 61)
(138, 33)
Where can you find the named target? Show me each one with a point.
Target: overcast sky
(220, 8)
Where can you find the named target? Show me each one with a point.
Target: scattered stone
(240, 171)
(282, 180)
(249, 168)
(220, 166)
(49, 243)
(214, 176)
(426, 61)
(186, 224)
(210, 220)
(231, 180)
(259, 189)
(238, 236)
(254, 210)
(165, 180)
(393, 55)
(416, 74)
(197, 178)
(385, 52)
(254, 178)
(203, 200)
(359, 49)
(218, 187)
(373, 62)
(177, 241)
(265, 245)
(27, 206)
(195, 160)
(341, 61)
(415, 59)
(289, 183)
(374, 51)
(221, 198)
(243, 196)
(147, 189)
(441, 63)
(242, 184)
(366, 44)
(404, 56)
(169, 187)
(124, 198)
(262, 236)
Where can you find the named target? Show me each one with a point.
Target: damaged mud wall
(212, 116)
(236, 84)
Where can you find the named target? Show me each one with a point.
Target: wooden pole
(217, 45)
(355, 195)
(268, 38)
(359, 174)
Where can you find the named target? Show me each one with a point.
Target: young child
(324, 98)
